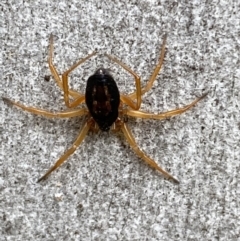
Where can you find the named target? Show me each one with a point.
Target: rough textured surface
(104, 192)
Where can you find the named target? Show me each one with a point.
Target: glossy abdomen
(102, 98)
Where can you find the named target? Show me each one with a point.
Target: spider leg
(54, 72)
(125, 98)
(37, 111)
(164, 115)
(66, 90)
(63, 84)
(149, 84)
(142, 155)
(71, 150)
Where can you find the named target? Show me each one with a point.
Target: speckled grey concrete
(104, 191)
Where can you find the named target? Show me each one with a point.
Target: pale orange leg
(141, 114)
(71, 150)
(54, 72)
(149, 84)
(125, 98)
(142, 155)
(63, 84)
(80, 99)
(37, 111)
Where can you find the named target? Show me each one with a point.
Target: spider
(105, 107)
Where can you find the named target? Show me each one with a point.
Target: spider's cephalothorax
(102, 98)
(104, 105)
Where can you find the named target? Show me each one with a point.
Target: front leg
(54, 71)
(63, 83)
(125, 98)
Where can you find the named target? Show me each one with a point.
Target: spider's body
(104, 104)
(102, 98)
